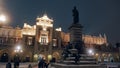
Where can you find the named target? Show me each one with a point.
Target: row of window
(8, 40)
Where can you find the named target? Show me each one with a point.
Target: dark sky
(97, 16)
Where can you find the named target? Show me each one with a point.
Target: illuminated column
(51, 41)
(36, 41)
(59, 41)
(105, 39)
(59, 36)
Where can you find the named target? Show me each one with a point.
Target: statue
(75, 15)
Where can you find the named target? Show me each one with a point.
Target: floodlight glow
(21, 50)
(49, 57)
(90, 52)
(2, 18)
(18, 47)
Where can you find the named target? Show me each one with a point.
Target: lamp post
(18, 50)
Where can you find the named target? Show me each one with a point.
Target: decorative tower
(43, 37)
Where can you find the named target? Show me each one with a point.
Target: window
(29, 40)
(43, 40)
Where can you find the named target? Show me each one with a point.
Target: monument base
(60, 65)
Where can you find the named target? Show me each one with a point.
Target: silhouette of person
(41, 63)
(75, 15)
(8, 65)
(29, 66)
(16, 62)
(46, 64)
(76, 58)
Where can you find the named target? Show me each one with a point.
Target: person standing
(41, 63)
(16, 62)
(46, 64)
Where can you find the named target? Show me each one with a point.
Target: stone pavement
(35, 66)
(22, 65)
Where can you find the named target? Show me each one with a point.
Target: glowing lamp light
(58, 29)
(96, 54)
(90, 52)
(35, 56)
(21, 50)
(49, 57)
(2, 18)
(18, 47)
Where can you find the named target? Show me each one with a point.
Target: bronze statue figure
(75, 15)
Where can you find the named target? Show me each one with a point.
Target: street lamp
(18, 49)
(90, 51)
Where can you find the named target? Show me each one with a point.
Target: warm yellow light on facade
(103, 54)
(45, 21)
(45, 17)
(58, 29)
(44, 29)
(96, 54)
(28, 30)
(49, 57)
(18, 49)
(35, 57)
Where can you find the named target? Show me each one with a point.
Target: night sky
(97, 16)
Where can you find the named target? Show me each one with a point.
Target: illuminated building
(40, 39)
(90, 41)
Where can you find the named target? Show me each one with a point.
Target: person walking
(41, 63)
(46, 64)
(16, 62)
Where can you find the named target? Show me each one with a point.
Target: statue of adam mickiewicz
(75, 15)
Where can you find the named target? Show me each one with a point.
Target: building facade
(41, 39)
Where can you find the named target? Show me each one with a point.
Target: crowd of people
(43, 64)
(16, 63)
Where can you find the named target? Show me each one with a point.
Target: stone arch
(27, 56)
(4, 57)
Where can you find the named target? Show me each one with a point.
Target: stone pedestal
(75, 33)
